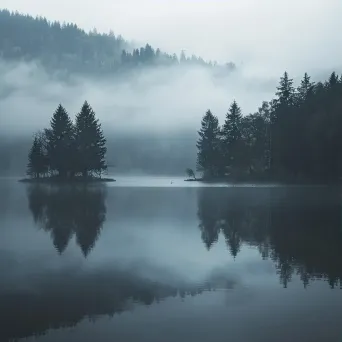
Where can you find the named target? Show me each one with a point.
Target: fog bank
(150, 116)
(167, 98)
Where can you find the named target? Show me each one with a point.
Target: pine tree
(37, 161)
(305, 90)
(282, 120)
(285, 91)
(300, 118)
(60, 142)
(208, 145)
(231, 129)
(232, 136)
(333, 80)
(90, 141)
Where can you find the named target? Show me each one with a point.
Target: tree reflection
(209, 214)
(299, 228)
(83, 295)
(65, 211)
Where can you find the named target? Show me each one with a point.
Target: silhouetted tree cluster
(37, 158)
(69, 149)
(148, 56)
(299, 229)
(66, 47)
(296, 135)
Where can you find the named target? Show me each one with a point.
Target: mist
(162, 106)
(151, 114)
(154, 113)
(164, 98)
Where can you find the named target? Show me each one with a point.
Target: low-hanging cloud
(263, 38)
(151, 100)
(163, 98)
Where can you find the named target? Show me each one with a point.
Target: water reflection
(63, 299)
(296, 230)
(65, 211)
(299, 229)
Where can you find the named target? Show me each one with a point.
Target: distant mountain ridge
(67, 47)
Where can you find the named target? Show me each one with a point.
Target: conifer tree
(333, 80)
(208, 145)
(285, 91)
(300, 118)
(231, 129)
(232, 136)
(90, 142)
(282, 124)
(60, 142)
(37, 161)
(305, 90)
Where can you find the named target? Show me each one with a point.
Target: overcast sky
(267, 36)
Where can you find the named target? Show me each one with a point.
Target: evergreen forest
(65, 47)
(296, 136)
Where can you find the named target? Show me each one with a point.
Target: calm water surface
(147, 260)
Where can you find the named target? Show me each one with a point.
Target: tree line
(68, 149)
(64, 46)
(297, 135)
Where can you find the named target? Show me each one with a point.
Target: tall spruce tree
(282, 125)
(208, 145)
(231, 131)
(333, 80)
(285, 91)
(60, 143)
(232, 137)
(300, 118)
(90, 142)
(305, 90)
(37, 160)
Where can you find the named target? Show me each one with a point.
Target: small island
(68, 151)
(293, 139)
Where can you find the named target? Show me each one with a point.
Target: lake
(159, 259)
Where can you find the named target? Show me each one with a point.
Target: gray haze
(262, 38)
(266, 36)
(154, 113)
(165, 98)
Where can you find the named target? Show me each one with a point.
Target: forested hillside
(67, 47)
